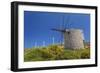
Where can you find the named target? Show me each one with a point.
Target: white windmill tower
(73, 38)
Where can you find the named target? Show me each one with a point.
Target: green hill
(54, 52)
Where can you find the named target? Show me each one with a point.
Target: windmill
(73, 38)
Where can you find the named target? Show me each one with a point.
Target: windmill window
(68, 32)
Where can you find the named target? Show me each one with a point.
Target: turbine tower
(35, 44)
(53, 40)
(43, 43)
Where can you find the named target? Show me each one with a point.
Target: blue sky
(38, 25)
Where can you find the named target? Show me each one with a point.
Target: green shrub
(85, 54)
(54, 52)
(30, 54)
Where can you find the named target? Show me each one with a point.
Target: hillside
(54, 52)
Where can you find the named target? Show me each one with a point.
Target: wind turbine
(53, 40)
(35, 44)
(43, 43)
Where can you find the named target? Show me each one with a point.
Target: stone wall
(73, 39)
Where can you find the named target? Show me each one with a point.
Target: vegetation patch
(55, 52)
